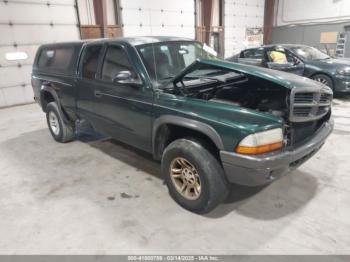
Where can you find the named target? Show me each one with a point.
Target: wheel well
(168, 133)
(46, 97)
(322, 73)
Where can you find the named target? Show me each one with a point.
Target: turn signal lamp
(262, 142)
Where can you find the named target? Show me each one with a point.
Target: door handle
(97, 93)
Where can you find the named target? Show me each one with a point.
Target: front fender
(195, 125)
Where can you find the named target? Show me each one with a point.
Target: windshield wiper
(204, 78)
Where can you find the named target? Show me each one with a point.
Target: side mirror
(122, 75)
(125, 78)
(296, 61)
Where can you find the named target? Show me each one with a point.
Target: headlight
(344, 71)
(262, 142)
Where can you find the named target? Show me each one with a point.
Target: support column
(101, 16)
(268, 20)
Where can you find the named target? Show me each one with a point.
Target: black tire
(65, 132)
(213, 184)
(324, 79)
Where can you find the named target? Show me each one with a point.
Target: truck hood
(284, 79)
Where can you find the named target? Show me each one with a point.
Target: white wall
(30, 26)
(178, 19)
(240, 14)
(158, 17)
(291, 12)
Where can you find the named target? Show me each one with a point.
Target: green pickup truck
(208, 121)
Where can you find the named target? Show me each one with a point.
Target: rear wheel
(60, 131)
(324, 79)
(194, 177)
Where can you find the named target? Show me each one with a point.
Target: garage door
(240, 15)
(24, 25)
(158, 17)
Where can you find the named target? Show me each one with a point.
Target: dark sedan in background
(302, 60)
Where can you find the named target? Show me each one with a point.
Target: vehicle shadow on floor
(122, 152)
(283, 197)
(279, 199)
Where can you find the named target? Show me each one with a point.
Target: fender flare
(195, 125)
(51, 90)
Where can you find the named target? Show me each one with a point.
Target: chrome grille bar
(309, 104)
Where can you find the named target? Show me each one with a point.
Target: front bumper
(342, 83)
(262, 169)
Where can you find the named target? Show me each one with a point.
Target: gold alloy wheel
(185, 178)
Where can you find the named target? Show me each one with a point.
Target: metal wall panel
(290, 12)
(158, 17)
(24, 25)
(308, 35)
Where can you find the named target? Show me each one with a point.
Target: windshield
(165, 60)
(309, 53)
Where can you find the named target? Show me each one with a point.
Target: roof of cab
(134, 41)
(285, 45)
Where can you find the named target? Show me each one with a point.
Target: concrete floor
(100, 197)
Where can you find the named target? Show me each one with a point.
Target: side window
(291, 58)
(280, 56)
(116, 60)
(58, 59)
(90, 61)
(253, 54)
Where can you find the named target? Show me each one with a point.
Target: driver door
(123, 109)
(253, 56)
(282, 60)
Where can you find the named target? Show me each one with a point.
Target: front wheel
(324, 79)
(194, 177)
(60, 131)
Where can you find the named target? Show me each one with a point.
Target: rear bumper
(263, 169)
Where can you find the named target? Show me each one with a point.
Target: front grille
(301, 98)
(309, 109)
(311, 97)
(325, 98)
(298, 132)
(301, 111)
(322, 110)
(309, 104)
(301, 131)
